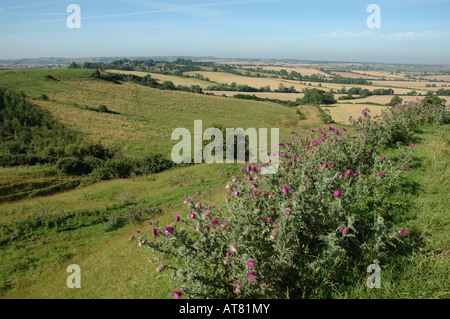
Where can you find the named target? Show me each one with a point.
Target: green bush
(72, 165)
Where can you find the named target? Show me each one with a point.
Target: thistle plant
(332, 203)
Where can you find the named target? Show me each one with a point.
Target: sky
(411, 31)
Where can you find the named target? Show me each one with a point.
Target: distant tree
(74, 65)
(433, 100)
(316, 96)
(168, 85)
(395, 100)
(96, 74)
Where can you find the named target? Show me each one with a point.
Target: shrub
(324, 209)
(114, 222)
(102, 109)
(334, 205)
(138, 213)
(72, 165)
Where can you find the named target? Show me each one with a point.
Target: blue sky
(412, 31)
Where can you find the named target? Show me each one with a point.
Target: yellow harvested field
(341, 112)
(381, 74)
(302, 71)
(438, 78)
(228, 78)
(354, 76)
(270, 95)
(382, 99)
(416, 85)
(161, 78)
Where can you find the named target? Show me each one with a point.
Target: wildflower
(285, 190)
(404, 232)
(214, 222)
(236, 193)
(138, 231)
(177, 218)
(345, 231)
(149, 223)
(250, 264)
(407, 169)
(314, 143)
(168, 230)
(309, 180)
(251, 275)
(273, 237)
(381, 174)
(383, 157)
(155, 232)
(337, 193)
(176, 294)
(325, 165)
(287, 212)
(348, 172)
(412, 145)
(355, 175)
(191, 215)
(255, 193)
(267, 219)
(249, 178)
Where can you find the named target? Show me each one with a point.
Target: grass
(30, 181)
(142, 118)
(423, 272)
(71, 230)
(40, 237)
(114, 267)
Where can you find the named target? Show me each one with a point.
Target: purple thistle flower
(287, 212)
(155, 232)
(404, 232)
(345, 231)
(314, 143)
(168, 230)
(176, 294)
(285, 190)
(177, 218)
(250, 264)
(251, 275)
(337, 193)
(381, 174)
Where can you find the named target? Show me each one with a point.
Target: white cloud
(397, 36)
(339, 34)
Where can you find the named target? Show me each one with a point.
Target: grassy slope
(112, 266)
(34, 265)
(118, 268)
(146, 116)
(424, 272)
